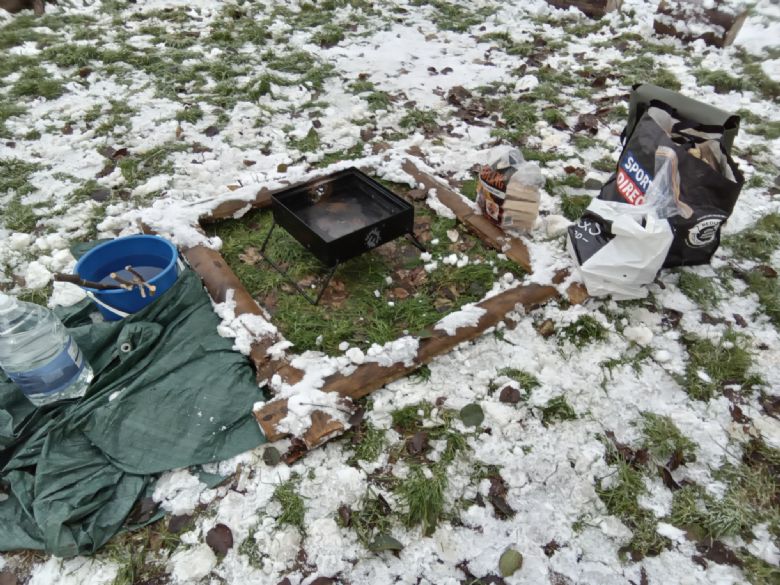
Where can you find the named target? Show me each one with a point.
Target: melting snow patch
(178, 491)
(189, 566)
(244, 329)
(468, 316)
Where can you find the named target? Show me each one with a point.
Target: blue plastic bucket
(137, 251)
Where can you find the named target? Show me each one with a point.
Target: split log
(219, 279)
(689, 20)
(481, 226)
(591, 8)
(371, 376)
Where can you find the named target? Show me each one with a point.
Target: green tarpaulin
(168, 392)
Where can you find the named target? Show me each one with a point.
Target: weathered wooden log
(591, 8)
(480, 225)
(371, 376)
(227, 209)
(219, 279)
(14, 6)
(689, 20)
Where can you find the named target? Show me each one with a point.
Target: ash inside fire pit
(337, 214)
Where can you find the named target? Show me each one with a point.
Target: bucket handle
(122, 314)
(114, 310)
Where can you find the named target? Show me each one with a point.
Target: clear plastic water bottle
(39, 355)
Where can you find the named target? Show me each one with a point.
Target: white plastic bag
(632, 258)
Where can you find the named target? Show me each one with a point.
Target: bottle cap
(7, 303)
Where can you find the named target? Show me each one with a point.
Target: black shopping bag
(709, 179)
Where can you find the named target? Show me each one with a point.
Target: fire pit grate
(338, 218)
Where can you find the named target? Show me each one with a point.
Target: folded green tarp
(168, 392)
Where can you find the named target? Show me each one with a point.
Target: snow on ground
(209, 109)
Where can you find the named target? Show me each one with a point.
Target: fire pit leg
(411, 236)
(331, 272)
(289, 279)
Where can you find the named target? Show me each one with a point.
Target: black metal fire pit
(340, 217)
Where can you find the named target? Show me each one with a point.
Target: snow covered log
(477, 223)
(690, 20)
(218, 279)
(592, 8)
(371, 376)
(227, 209)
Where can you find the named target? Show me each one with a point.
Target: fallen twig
(76, 279)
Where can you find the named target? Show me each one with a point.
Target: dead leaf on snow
(220, 539)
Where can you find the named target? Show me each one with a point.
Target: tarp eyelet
(126, 347)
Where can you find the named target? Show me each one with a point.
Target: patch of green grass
(448, 16)
(378, 100)
(520, 118)
(422, 493)
(39, 296)
(721, 80)
(250, 549)
(662, 439)
(424, 120)
(18, 217)
(643, 69)
(361, 86)
(635, 356)
(583, 331)
(309, 143)
(768, 292)
(557, 409)
(117, 116)
(469, 189)
(137, 168)
(70, 55)
(329, 35)
(341, 155)
(137, 553)
(8, 110)
(573, 206)
(758, 571)
(553, 116)
(749, 499)
(352, 311)
(293, 509)
(759, 242)
(370, 442)
(769, 130)
(299, 62)
(586, 141)
(526, 380)
(755, 79)
(15, 176)
(620, 499)
(370, 519)
(711, 366)
(37, 82)
(605, 164)
(701, 290)
(190, 115)
(409, 418)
